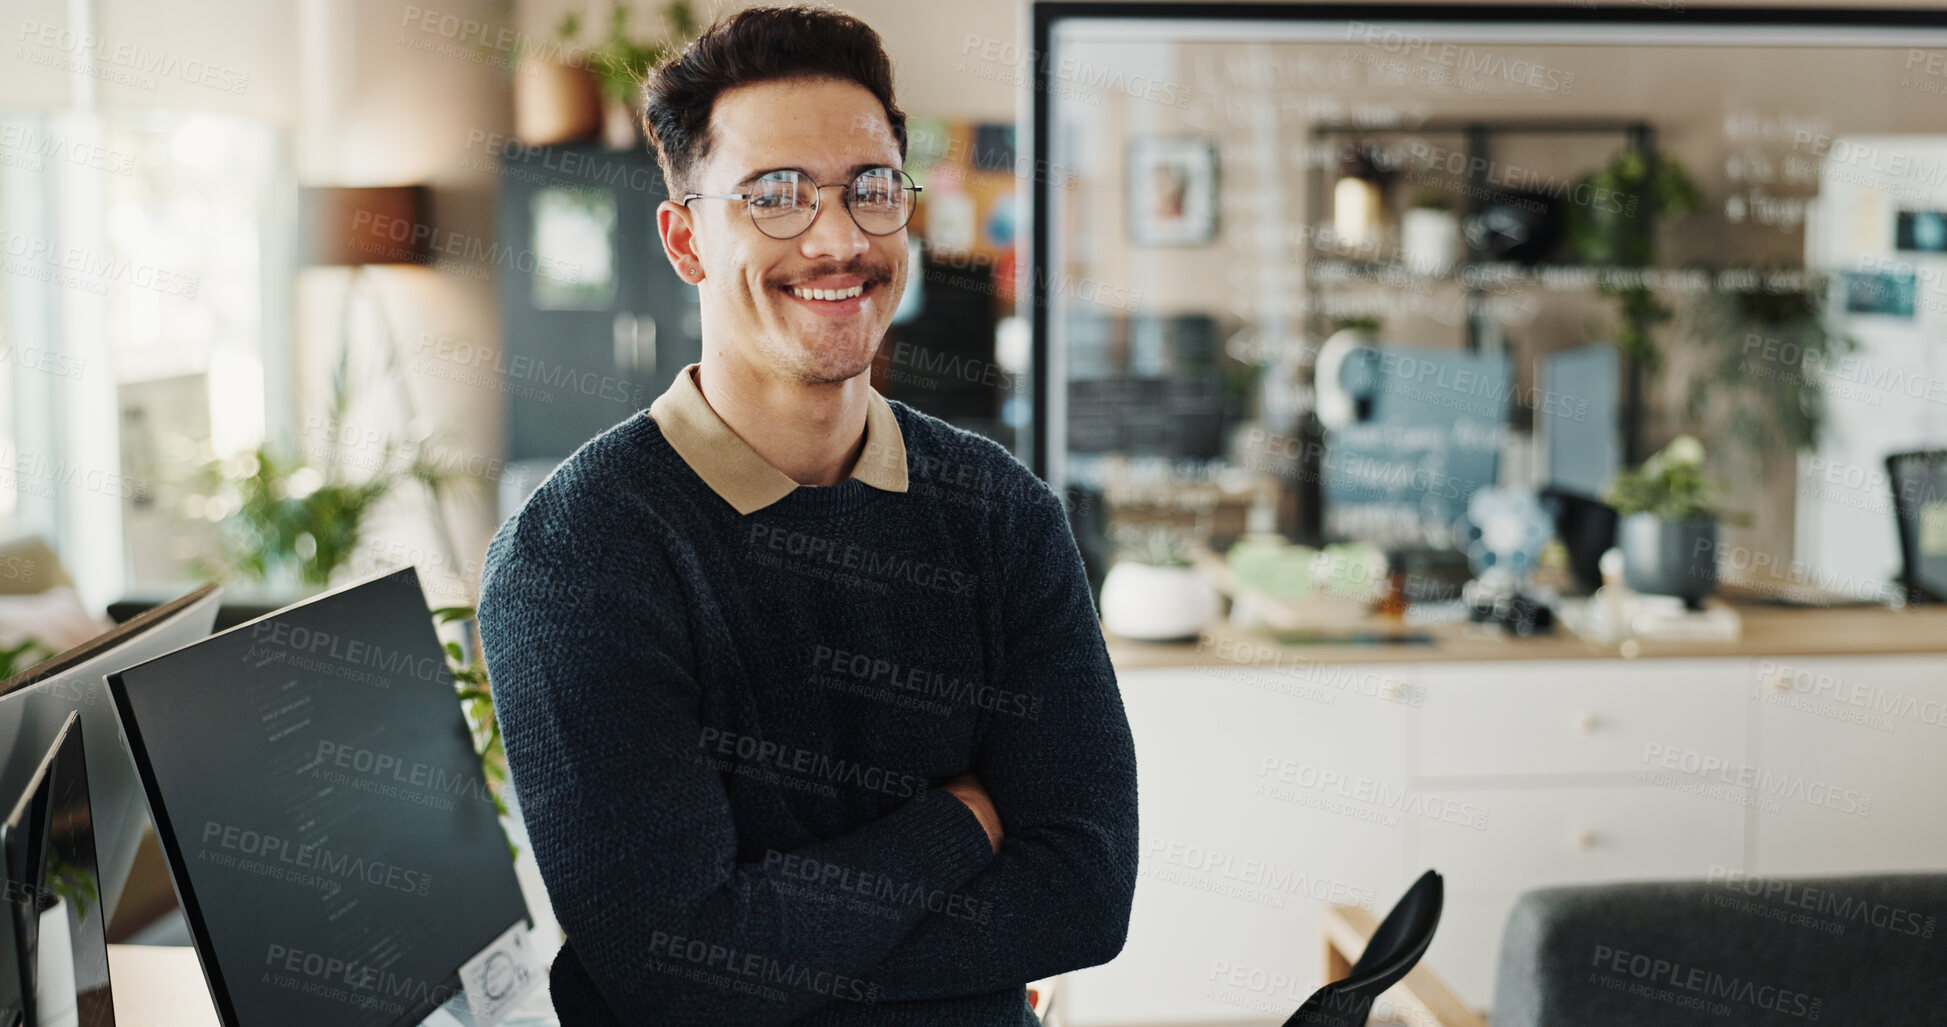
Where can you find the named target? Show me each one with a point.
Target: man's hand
(967, 789)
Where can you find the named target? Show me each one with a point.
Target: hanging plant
(1616, 227)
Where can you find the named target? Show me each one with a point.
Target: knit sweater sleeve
(588, 648)
(1063, 781)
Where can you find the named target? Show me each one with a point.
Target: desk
(163, 986)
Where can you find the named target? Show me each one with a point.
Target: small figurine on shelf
(1506, 530)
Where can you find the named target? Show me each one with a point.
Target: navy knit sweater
(726, 731)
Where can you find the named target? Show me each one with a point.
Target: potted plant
(1429, 234)
(557, 98)
(621, 62)
(293, 526)
(1152, 593)
(21, 655)
(1668, 532)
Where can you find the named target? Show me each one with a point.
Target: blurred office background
(1356, 324)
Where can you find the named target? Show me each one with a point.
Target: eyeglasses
(784, 203)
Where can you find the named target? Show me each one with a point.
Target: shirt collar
(736, 473)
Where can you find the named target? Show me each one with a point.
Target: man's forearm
(1053, 900)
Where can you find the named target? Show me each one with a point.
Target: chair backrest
(1919, 483)
(1398, 944)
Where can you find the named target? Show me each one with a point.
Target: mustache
(874, 273)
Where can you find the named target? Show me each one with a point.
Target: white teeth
(827, 294)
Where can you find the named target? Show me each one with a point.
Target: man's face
(830, 129)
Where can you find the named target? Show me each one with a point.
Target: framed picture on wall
(1172, 191)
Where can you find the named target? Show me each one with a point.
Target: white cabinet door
(1850, 761)
(1531, 718)
(1263, 798)
(1536, 837)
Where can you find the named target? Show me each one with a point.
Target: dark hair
(757, 44)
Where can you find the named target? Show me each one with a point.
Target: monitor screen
(317, 792)
(35, 703)
(59, 943)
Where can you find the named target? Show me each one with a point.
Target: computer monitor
(59, 935)
(326, 820)
(35, 702)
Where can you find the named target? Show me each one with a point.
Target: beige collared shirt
(735, 472)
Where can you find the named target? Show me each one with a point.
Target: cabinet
(1266, 795)
(595, 321)
(1850, 759)
(1263, 796)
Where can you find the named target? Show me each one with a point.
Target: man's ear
(678, 234)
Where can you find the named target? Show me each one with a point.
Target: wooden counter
(1768, 631)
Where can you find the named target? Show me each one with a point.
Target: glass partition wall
(1324, 271)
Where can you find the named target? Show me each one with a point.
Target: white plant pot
(1429, 240)
(1157, 604)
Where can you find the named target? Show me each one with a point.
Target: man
(807, 708)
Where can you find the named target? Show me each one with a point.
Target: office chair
(1919, 484)
(1398, 944)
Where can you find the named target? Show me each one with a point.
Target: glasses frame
(818, 201)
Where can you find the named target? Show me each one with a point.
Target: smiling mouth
(828, 295)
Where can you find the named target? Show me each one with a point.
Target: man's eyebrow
(851, 173)
(755, 175)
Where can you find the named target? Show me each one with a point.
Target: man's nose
(833, 233)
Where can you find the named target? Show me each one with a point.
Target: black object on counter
(1522, 616)
(1587, 528)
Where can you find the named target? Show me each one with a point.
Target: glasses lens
(881, 202)
(782, 203)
